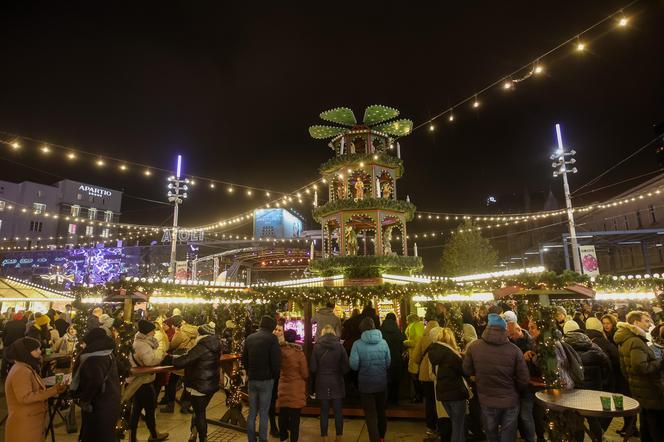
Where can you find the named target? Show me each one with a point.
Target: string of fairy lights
(578, 44)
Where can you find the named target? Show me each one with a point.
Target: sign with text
(184, 236)
(589, 263)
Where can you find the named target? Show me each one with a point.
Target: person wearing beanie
(25, 392)
(292, 387)
(414, 332)
(510, 316)
(595, 364)
(146, 354)
(502, 376)
(96, 382)
(595, 331)
(370, 357)
(40, 330)
(261, 357)
(201, 376)
(106, 323)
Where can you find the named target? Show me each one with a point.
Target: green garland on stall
(344, 161)
(365, 204)
(366, 266)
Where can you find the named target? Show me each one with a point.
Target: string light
(100, 162)
(15, 145)
(431, 127)
(580, 45)
(71, 156)
(538, 69)
(248, 192)
(230, 189)
(212, 185)
(476, 103)
(123, 167)
(147, 172)
(45, 149)
(450, 118)
(508, 84)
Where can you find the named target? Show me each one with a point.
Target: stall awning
(12, 289)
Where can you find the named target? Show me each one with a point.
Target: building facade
(66, 213)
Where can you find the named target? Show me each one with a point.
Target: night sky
(233, 86)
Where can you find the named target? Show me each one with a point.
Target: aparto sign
(188, 235)
(94, 191)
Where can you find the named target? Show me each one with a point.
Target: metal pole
(541, 254)
(568, 203)
(174, 241)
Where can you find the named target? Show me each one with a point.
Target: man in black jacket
(262, 360)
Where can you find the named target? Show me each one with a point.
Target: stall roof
(12, 289)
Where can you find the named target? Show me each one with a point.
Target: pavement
(177, 425)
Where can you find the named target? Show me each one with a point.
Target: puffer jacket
(201, 365)
(448, 367)
(261, 355)
(640, 366)
(499, 369)
(294, 373)
(370, 357)
(184, 338)
(325, 316)
(418, 364)
(146, 354)
(329, 362)
(596, 364)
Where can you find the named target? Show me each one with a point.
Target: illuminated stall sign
(184, 236)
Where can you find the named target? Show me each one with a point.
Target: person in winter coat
(610, 325)
(595, 332)
(96, 384)
(106, 323)
(227, 336)
(370, 356)
(262, 360)
(292, 387)
(61, 325)
(67, 343)
(329, 364)
(325, 316)
(26, 394)
(419, 364)
(643, 372)
(93, 319)
(596, 369)
(501, 375)
(370, 312)
(350, 331)
(394, 338)
(146, 354)
(201, 376)
(40, 330)
(182, 341)
(414, 332)
(14, 330)
(451, 389)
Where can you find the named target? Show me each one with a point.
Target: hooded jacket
(448, 366)
(394, 338)
(146, 354)
(370, 357)
(184, 338)
(596, 364)
(640, 366)
(499, 368)
(201, 365)
(294, 373)
(414, 333)
(325, 316)
(418, 364)
(329, 362)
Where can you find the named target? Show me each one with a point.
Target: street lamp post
(562, 160)
(177, 193)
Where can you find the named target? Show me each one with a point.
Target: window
(639, 223)
(4, 203)
(40, 193)
(39, 207)
(75, 210)
(108, 216)
(653, 218)
(35, 226)
(71, 229)
(615, 224)
(79, 196)
(92, 213)
(89, 230)
(105, 233)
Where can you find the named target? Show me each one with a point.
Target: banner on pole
(589, 264)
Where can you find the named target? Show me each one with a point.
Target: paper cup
(606, 403)
(618, 401)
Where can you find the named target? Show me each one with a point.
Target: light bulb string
(530, 65)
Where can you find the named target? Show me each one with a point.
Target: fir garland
(365, 204)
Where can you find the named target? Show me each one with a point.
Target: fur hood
(625, 331)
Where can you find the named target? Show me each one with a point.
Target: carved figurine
(359, 190)
(351, 241)
(341, 194)
(387, 246)
(386, 190)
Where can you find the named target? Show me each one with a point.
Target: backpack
(575, 364)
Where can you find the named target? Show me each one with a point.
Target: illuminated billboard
(276, 223)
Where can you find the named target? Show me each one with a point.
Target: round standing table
(586, 403)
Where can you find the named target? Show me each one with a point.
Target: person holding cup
(26, 393)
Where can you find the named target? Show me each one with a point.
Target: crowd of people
(476, 385)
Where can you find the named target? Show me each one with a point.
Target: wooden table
(166, 368)
(586, 403)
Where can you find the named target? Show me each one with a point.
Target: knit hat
(469, 333)
(20, 351)
(509, 316)
(106, 321)
(290, 335)
(594, 324)
(560, 310)
(145, 327)
(42, 320)
(412, 318)
(570, 326)
(176, 312)
(496, 321)
(207, 329)
(94, 335)
(230, 324)
(268, 323)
